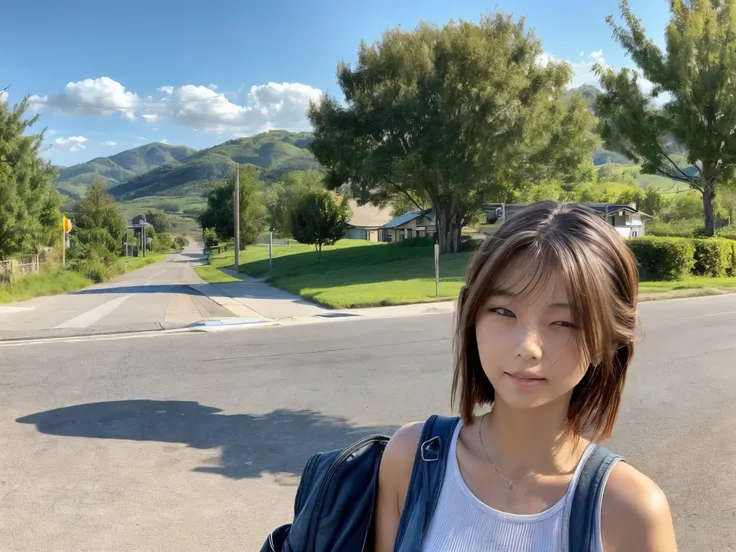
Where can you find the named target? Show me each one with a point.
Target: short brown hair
(601, 278)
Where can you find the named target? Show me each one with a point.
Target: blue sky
(200, 73)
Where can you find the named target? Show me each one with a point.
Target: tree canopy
(29, 202)
(461, 115)
(219, 213)
(99, 227)
(318, 219)
(283, 196)
(691, 108)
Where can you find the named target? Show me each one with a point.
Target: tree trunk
(449, 227)
(319, 253)
(708, 195)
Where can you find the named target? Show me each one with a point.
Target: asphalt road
(153, 298)
(194, 442)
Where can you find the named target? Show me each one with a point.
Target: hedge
(713, 257)
(663, 258)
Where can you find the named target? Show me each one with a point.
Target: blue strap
(427, 476)
(588, 491)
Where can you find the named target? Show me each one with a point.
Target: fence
(16, 269)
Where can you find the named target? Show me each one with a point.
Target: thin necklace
(512, 483)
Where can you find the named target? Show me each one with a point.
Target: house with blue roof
(414, 224)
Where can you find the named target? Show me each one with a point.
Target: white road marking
(13, 310)
(86, 319)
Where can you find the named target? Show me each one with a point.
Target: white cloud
(141, 138)
(102, 97)
(72, 143)
(164, 141)
(109, 143)
(583, 70)
(51, 132)
(267, 106)
(155, 129)
(3, 96)
(212, 86)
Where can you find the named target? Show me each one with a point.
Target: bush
(95, 270)
(713, 257)
(180, 242)
(663, 258)
(416, 242)
(679, 229)
(210, 237)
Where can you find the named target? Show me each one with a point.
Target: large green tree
(693, 80)
(460, 114)
(29, 202)
(320, 220)
(219, 213)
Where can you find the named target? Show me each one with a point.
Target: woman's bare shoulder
(635, 514)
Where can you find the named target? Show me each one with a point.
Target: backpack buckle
(431, 450)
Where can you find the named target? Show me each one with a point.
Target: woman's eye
(503, 312)
(563, 324)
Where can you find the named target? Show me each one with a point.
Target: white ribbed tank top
(463, 523)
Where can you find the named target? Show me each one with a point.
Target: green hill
(120, 167)
(277, 152)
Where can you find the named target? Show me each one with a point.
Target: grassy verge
(55, 280)
(51, 282)
(213, 275)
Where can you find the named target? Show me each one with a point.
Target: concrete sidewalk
(254, 298)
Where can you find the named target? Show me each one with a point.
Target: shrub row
(669, 259)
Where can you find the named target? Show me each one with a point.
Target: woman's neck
(531, 439)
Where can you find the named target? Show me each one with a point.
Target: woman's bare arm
(635, 515)
(393, 482)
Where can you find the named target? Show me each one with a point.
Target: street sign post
(66, 227)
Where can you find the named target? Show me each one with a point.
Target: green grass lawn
(356, 273)
(694, 282)
(213, 275)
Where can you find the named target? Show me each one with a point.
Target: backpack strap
(586, 501)
(427, 476)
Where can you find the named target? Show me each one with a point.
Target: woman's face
(527, 342)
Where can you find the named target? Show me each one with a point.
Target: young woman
(544, 336)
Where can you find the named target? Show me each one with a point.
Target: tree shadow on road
(279, 442)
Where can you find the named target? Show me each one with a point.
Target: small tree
(318, 219)
(98, 224)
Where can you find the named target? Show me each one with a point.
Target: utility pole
(236, 211)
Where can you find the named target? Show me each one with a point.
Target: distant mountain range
(162, 170)
(121, 167)
(276, 152)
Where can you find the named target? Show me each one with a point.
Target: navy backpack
(336, 498)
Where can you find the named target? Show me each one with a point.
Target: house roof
(403, 219)
(613, 207)
(368, 215)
